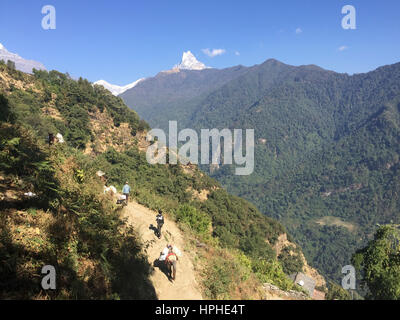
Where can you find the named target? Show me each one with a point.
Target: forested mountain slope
(173, 92)
(326, 150)
(69, 222)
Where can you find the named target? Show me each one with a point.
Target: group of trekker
(170, 253)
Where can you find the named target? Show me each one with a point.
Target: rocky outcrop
(282, 243)
(274, 293)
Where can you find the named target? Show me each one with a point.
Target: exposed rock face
(274, 293)
(107, 135)
(309, 271)
(199, 195)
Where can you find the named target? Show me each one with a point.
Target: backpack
(171, 257)
(160, 220)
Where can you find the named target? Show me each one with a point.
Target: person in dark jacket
(160, 223)
(51, 139)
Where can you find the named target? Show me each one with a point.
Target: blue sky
(121, 41)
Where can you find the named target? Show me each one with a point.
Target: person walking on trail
(51, 139)
(160, 223)
(171, 261)
(126, 190)
(170, 255)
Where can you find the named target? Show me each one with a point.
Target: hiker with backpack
(170, 255)
(160, 223)
(171, 261)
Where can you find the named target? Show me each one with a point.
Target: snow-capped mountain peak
(115, 89)
(20, 63)
(189, 62)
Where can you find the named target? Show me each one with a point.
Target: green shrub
(218, 279)
(20, 154)
(272, 272)
(6, 114)
(195, 219)
(244, 265)
(379, 264)
(336, 292)
(291, 260)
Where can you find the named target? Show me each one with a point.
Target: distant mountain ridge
(170, 93)
(21, 64)
(115, 89)
(189, 62)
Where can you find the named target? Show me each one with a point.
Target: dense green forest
(327, 150)
(175, 94)
(378, 264)
(73, 225)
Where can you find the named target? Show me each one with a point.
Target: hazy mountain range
(21, 64)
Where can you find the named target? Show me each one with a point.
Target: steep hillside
(54, 211)
(52, 207)
(326, 150)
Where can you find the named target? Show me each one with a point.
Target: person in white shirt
(164, 253)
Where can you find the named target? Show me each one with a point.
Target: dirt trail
(185, 286)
